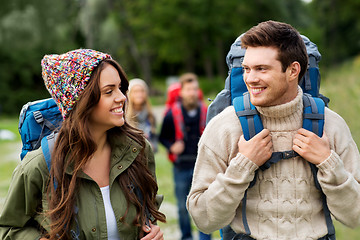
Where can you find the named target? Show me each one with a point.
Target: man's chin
(191, 105)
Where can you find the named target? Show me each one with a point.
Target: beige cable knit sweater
(284, 203)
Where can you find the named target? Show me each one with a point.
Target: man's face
(190, 94)
(267, 84)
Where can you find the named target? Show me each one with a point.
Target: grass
(341, 85)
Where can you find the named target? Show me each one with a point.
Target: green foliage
(342, 86)
(29, 30)
(10, 154)
(337, 26)
(155, 39)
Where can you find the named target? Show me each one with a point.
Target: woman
(139, 112)
(102, 177)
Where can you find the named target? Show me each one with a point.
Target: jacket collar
(124, 150)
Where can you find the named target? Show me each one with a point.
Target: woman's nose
(120, 97)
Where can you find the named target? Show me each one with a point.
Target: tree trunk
(220, 59)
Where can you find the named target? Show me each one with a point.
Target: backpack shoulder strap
(47, 145)
(251, 124)
(248, 115)
(314, 115)
(203, 112)
(314, 109)
(178, 120)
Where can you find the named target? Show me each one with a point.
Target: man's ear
(294, 70)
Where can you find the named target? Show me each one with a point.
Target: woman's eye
(108, 92)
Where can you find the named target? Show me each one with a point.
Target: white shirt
(112, 231)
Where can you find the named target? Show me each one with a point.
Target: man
(284, 202)
(181, 130)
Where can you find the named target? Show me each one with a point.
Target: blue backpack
(235, 93)
(37, 121)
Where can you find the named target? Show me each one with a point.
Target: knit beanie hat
(67, 75)
(138, 81)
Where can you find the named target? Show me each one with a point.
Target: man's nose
(250, 76)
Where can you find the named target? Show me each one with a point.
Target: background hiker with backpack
(182, 127)
(139, 112)
(101, 183)
(270, 177)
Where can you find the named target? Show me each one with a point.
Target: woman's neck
(100, 139)
(98, 167)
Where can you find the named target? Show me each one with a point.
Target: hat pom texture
(67, 75)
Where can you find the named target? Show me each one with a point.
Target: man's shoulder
(222, 132)
(226, 120)
(333, 119)
(335, 124)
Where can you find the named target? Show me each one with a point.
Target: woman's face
(109, 111)
(138, 95)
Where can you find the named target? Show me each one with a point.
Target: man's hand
(177, 148)
(153, 232)
(311, 147)
(258, 149)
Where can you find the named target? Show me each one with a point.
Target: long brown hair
(75, 146)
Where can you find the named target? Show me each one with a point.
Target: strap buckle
(289, 154)
(38, 117)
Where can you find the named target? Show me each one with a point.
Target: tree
(338, 25)
(29, 30)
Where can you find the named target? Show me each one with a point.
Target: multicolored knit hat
(67, 75)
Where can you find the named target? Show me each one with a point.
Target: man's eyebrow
(256, 66)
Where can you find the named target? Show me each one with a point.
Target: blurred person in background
(182, 127)
(139, 113)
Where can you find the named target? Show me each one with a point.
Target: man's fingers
(325, 137)
(263, 134)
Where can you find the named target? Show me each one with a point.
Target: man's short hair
(188, 77)
(283, 37)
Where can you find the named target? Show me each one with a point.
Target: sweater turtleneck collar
(287, 116)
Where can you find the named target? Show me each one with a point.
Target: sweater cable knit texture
(284, 203)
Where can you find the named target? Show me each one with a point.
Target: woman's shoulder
(34, 163)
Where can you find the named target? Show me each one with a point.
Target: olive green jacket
(20, 217)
